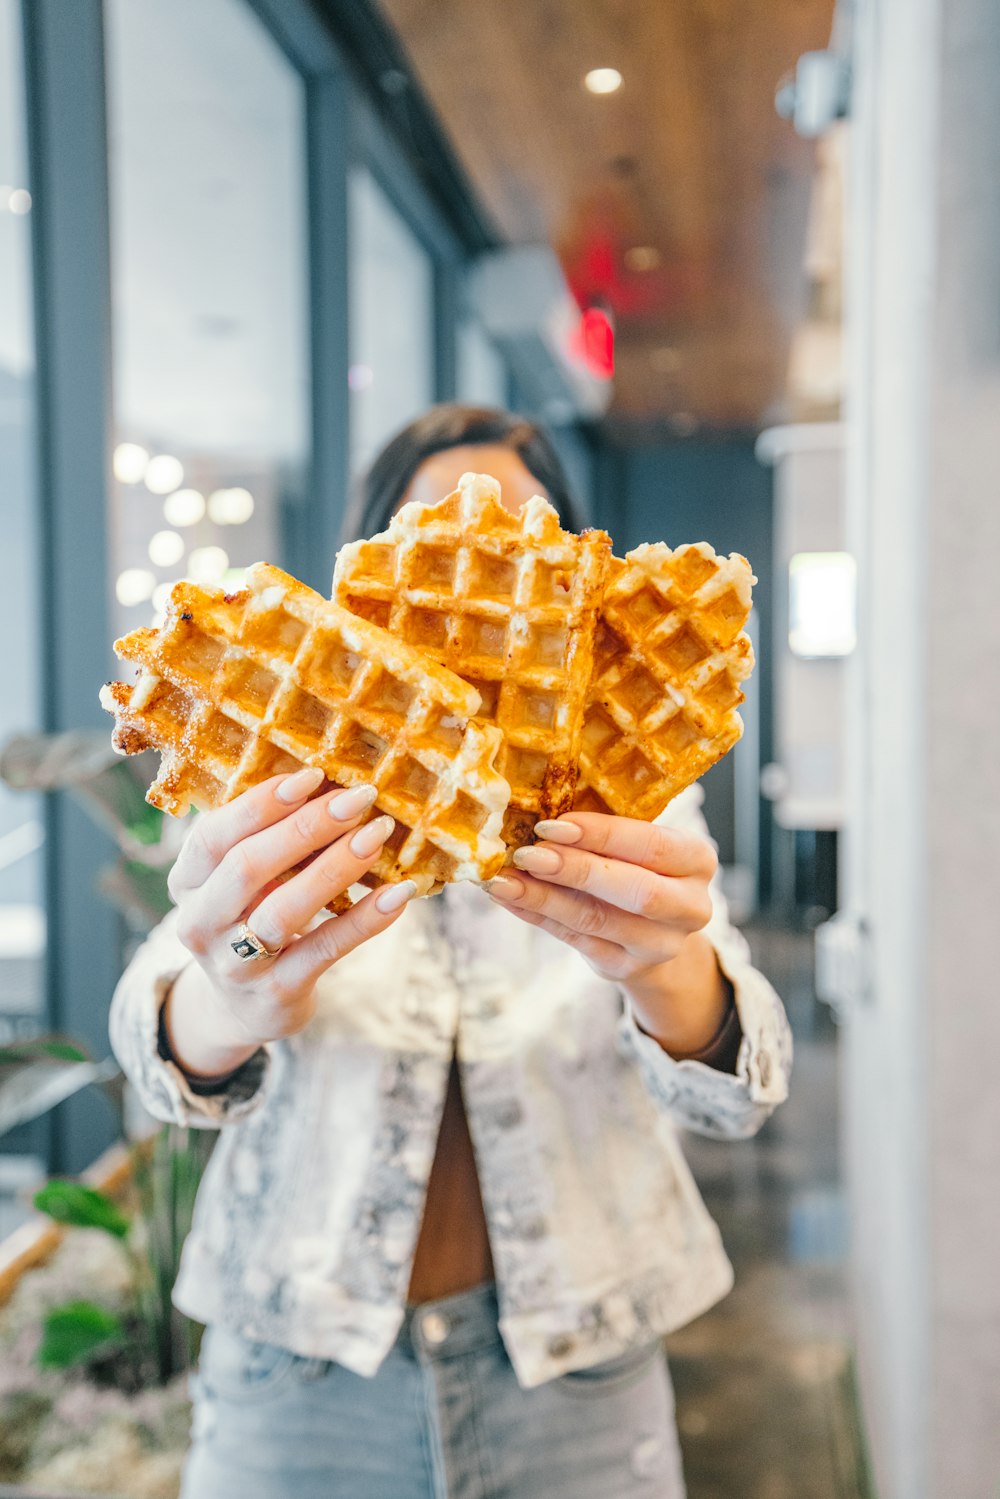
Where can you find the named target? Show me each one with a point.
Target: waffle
(234, 688)
(509, 603)
(669, 659)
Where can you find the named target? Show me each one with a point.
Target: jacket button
(435, 1328)
(532, 1229)
(510, 1115)
(560, 1346)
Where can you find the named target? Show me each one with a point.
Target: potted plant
(93, 1355)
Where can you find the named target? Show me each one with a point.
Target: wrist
(686, 1003)
(201, 1039)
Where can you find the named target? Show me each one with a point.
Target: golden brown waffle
(234, 688)
(668, 663)
(509, 603)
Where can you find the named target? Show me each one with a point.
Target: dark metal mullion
(314, 527)
(446, 315)
(67, 143)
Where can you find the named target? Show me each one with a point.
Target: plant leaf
(38, 1050)
(83, 1207)
(73, 1332)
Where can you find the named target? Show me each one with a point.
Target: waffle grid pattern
(507, 602)
(670, 658)
(233, 689)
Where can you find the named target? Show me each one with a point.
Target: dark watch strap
(723, 1050)
(204, 1087)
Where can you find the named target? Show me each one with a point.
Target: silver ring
(249, 947)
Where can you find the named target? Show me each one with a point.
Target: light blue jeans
(444, 1418)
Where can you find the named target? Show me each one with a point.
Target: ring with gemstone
(248, 945)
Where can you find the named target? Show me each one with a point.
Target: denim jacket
(307, 1218)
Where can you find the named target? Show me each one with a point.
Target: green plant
(149, 1341)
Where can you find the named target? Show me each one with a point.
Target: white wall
(922, 1056)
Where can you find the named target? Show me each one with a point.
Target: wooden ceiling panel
(687, 159)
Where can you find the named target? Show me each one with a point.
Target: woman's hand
(633, 899)
(228, 871)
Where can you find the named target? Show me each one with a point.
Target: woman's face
(439, 474)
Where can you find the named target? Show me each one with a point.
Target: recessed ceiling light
(129, 462)
(642, 258)
(185, 507)
(134, 586)
(207, 564)
(164, 473)
(666, 360)
(230, 507)
(161, 597)
(15, 200)
(603, 80)
(165, 548)
(684, 423)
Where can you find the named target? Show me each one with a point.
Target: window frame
(64, 49)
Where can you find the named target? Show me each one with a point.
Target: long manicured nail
(370, 838)
(558, 832)
(504, 888)
(394, 896)
(296, 787)
(538, 860)
(351, 803)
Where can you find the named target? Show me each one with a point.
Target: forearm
(201, 1039)
(684, 1004)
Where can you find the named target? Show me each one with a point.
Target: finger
(647, 941)
(662, 850)
(306, 960)
(250, 866)
(215, 833)
(293, 904)
(680, 902)
(606, 956)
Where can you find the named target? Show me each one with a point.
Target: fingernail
(298, 785)
(558, 832)
(502, 886)
(350, 803)
(538, 860)
(370, 838)
(394, 896)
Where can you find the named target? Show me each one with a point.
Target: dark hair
(453, 425)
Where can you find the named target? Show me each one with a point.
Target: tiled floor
(763, 1380)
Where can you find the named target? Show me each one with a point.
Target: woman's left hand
(633, 899)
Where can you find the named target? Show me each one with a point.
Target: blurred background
(744, 261)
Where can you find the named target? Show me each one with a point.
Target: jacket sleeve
(698, 1097)
(161, 1087)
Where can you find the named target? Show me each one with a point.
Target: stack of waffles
(481, 669)
(615, 683)
(234, 688)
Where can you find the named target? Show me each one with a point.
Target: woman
(447, 1222)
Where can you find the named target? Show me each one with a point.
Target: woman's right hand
(229, 871)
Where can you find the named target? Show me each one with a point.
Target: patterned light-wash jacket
(307, 1218)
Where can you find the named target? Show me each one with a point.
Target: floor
(764, 1381)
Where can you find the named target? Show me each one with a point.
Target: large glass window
(482, 373)
(207, 169)
(22, 913)
(21, 909)
(392, 320)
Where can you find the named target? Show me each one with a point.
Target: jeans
(444, 1418)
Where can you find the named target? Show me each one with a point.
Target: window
(207, 177)
(22, 925)
(391, 371)
(821, 604)
(482, 374)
